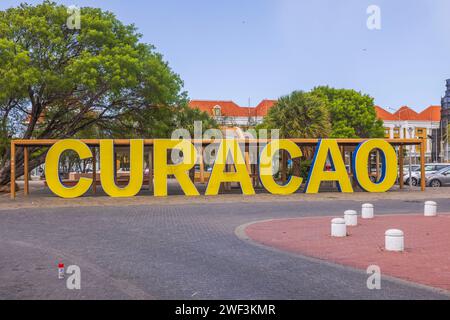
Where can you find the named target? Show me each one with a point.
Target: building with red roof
(405, 123)
(401, 123)
(230, 114)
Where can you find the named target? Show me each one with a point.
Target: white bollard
(338, 228)
(351, 218)
(394, 240)
(367, 211)
(430, 209)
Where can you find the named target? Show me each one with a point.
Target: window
(396, 133)
(217, 111)
(421, 133)
(387, 133)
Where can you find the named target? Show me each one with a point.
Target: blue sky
(236, 49)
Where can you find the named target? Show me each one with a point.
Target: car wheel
(414, 182)
(435, 183)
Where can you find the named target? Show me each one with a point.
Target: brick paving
(187, 251)
(426, 259)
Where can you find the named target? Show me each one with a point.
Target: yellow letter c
(52, 166)
(265, 167)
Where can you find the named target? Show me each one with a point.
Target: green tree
(299, 115)
(57, 82)
(352, 113)
(157, 122)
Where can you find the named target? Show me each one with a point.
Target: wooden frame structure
(95, 143)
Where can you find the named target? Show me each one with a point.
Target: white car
(429, 168)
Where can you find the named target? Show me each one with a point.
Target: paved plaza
(170, 249)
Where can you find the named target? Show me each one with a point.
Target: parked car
(429, 168)
(414, 167)
(438, 179)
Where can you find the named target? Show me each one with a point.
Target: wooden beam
(422, 165)
(126, 142)
(13, 170)
(94, 170)
(26, 176)
(400, 165)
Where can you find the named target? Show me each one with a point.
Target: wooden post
(26, 186)
(283, 166)
(13, 170)
(400, 165)
(255, 168)
(94, 170)
(377, 161)
(227, 169)
(202, 165)
(422, 164)
(115, 166)
(150, 169)
(247, 159)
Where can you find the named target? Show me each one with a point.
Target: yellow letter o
(389, 165)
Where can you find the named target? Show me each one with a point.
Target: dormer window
(217, 111)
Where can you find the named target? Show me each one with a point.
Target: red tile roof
(432, 113)
(231, 109)
(383, 114)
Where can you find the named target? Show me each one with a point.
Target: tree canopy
(352, 114)
(56, 82)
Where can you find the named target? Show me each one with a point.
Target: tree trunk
(5, 171)
(296, 170)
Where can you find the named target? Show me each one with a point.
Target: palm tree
(299, 115)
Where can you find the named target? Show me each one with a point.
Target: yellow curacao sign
(327, 150)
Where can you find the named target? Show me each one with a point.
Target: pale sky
(236, 49)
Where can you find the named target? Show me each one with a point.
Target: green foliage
(352, 113)
(299, 115)
(95, 82)
(157, 122)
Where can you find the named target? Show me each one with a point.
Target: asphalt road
(177, 252)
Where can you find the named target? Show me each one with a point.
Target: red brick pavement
(426, 258)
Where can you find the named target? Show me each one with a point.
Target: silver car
(439, 179)
(429, 168)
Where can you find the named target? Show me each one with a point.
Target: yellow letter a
(317, 174)
(218, 175)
